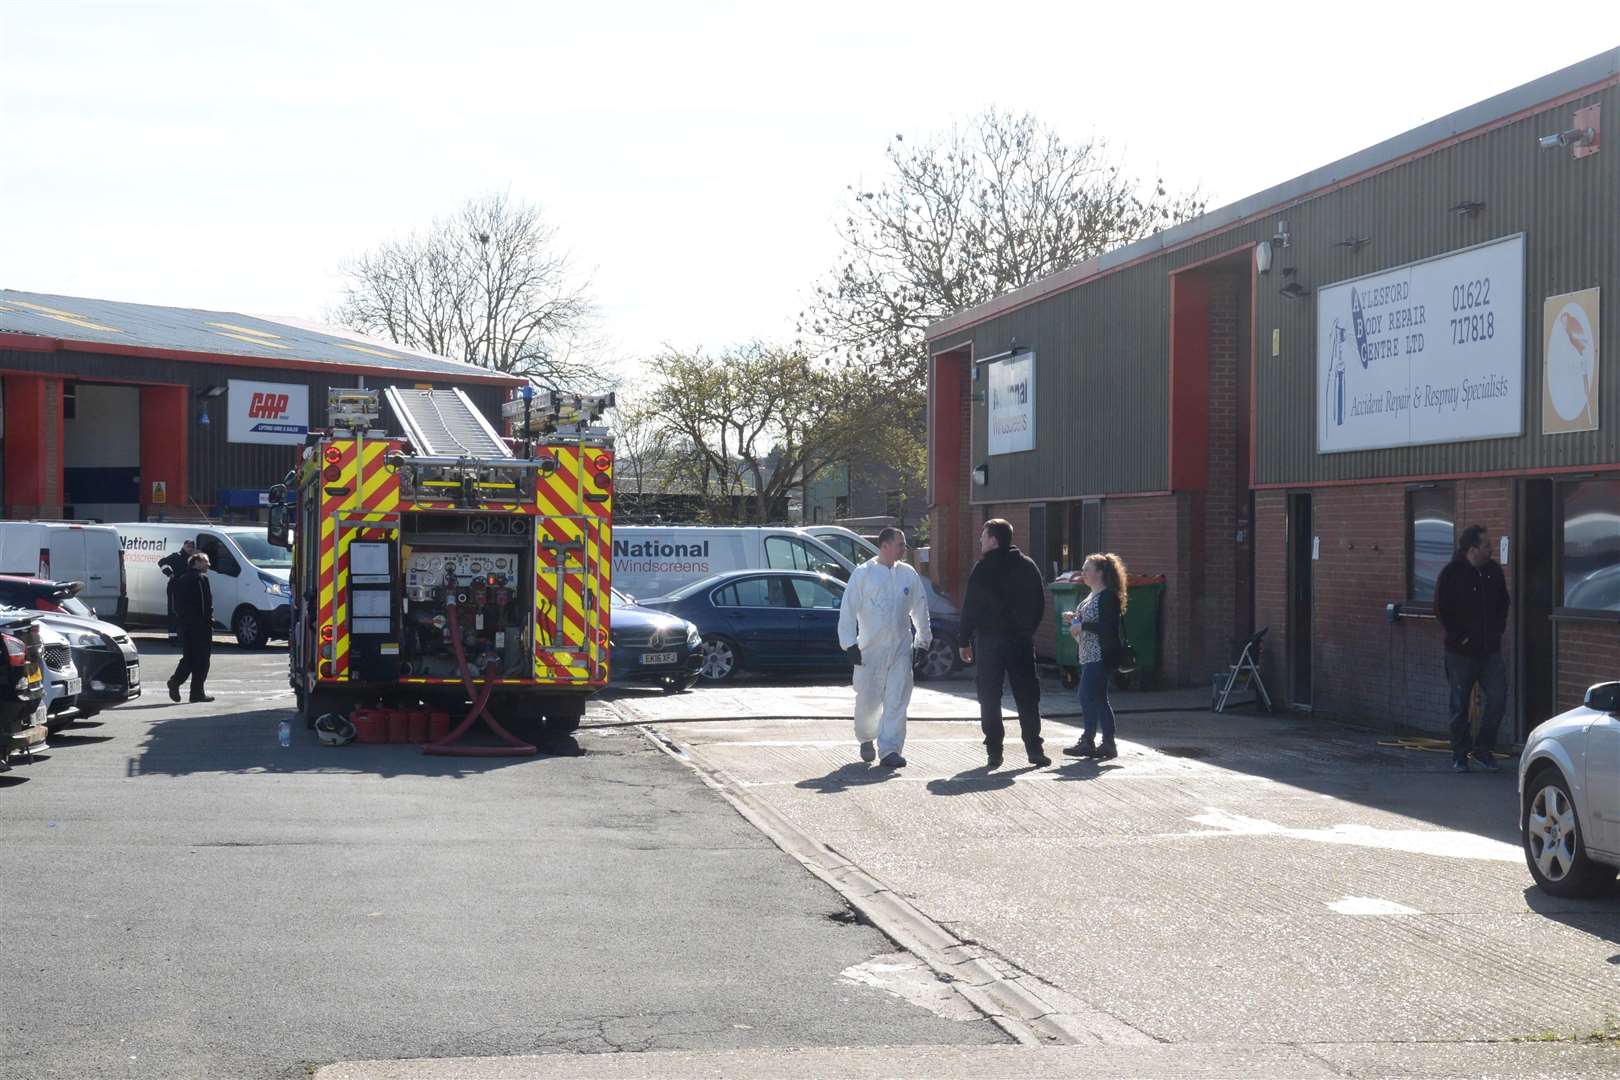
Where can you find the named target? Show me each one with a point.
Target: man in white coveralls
(884, 601)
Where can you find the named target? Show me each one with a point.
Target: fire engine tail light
(333, 455)
(328, 669)
(327, 633)
(332, 474)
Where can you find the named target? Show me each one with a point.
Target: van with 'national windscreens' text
(247, 574)
(654, 560)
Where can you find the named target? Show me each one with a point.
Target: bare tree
(643, 446)
(488, 285)
(964, 218)
(764, 420)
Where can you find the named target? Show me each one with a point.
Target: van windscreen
(256, 545)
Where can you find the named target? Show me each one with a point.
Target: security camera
(1572, 137)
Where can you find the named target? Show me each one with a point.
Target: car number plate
(74, 686)
(658, 658)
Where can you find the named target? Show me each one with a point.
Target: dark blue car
(655, 647)
(778, 620)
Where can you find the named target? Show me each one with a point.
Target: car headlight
(83, 639)
(693, 638)
(275, 586)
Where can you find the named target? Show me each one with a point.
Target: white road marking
(1370, 905)
(1446, 844)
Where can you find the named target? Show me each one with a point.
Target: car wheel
(721, 660)
(250, 630)
(1554, 848)
(939, 660)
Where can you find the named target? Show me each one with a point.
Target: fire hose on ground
(480, 707)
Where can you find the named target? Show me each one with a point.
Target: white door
(225, 575)
(1603, 784)
(102, 579)
(67, 556)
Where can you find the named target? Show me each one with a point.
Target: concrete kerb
(1029, 1010)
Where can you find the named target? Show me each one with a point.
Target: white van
(66, 551)
(248, 576)
(654, 560)
(857, 549)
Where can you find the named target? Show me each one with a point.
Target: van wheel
(249, 628)
(721, 660)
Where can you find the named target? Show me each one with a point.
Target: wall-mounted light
(981, 475)
(1468, 208)
(212, 391)
(1572, 138)
(1354, 243)
(1012, 350)
(1282, 238)
(1293, 291)
(1262, 257)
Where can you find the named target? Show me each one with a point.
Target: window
(788, 553)
(220, 559)
(840, 507)
(814, 594)
(1589, 549)
(1431, 539)
(753, 592)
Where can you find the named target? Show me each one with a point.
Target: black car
(653, 647)
(108, 662)
(24, 686)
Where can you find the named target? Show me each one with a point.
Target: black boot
(1086, 747)
(1107, 751)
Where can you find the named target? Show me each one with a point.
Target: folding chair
(1247, 669)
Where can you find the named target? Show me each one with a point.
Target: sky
(694, 157)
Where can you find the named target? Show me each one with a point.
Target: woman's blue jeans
(1094, 701)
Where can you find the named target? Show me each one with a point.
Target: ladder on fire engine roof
(443, 423)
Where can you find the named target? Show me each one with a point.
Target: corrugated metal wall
(215, 463)
(1102, 348)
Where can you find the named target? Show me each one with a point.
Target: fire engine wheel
(249, 628)
(721, 660)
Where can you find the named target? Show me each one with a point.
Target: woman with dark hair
(1095, 628)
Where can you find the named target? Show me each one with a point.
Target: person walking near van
(883, 618)
(173, 565)
(1004, 604)
(1095, 627)
(1471, 600)
(194, 610)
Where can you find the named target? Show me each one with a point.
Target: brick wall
(1152, 536)
(1363, 667)
(1588, 652)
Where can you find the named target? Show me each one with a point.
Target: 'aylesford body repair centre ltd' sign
(1012, 404)
(1429, 352)
(262, 412)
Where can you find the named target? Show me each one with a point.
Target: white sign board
(1012, 404)
(1429, 352)
(261, 412)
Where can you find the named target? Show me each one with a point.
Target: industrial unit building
(1291, 405)
(123, 412)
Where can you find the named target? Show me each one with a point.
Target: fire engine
(452, 567)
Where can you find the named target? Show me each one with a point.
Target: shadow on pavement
(246, 742)
(977, 780)
(1084, 769)
(1594, 916)
(851, 775)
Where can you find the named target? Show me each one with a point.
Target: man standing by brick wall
(1471, 599)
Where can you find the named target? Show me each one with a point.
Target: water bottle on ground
(284, 734)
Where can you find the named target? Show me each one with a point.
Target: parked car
(24, 687)
(1569, 796)
(776, 620)
(654, 647)
(248, 575)
(108, 662)
(655, 560)
(69, 551)
(62, 682)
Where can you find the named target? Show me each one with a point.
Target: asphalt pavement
(186, 898)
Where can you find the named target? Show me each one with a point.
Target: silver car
(1569, 796)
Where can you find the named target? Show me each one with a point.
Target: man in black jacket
(1471, 600)
(1005, 601)
(173, 565)
(194, 609)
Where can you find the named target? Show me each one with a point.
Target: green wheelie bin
(1142, 625)
(1067, 593)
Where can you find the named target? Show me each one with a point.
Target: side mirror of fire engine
(278, 533)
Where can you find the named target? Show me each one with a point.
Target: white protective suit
(880, 607)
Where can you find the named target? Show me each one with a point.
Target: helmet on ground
(334, 730)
